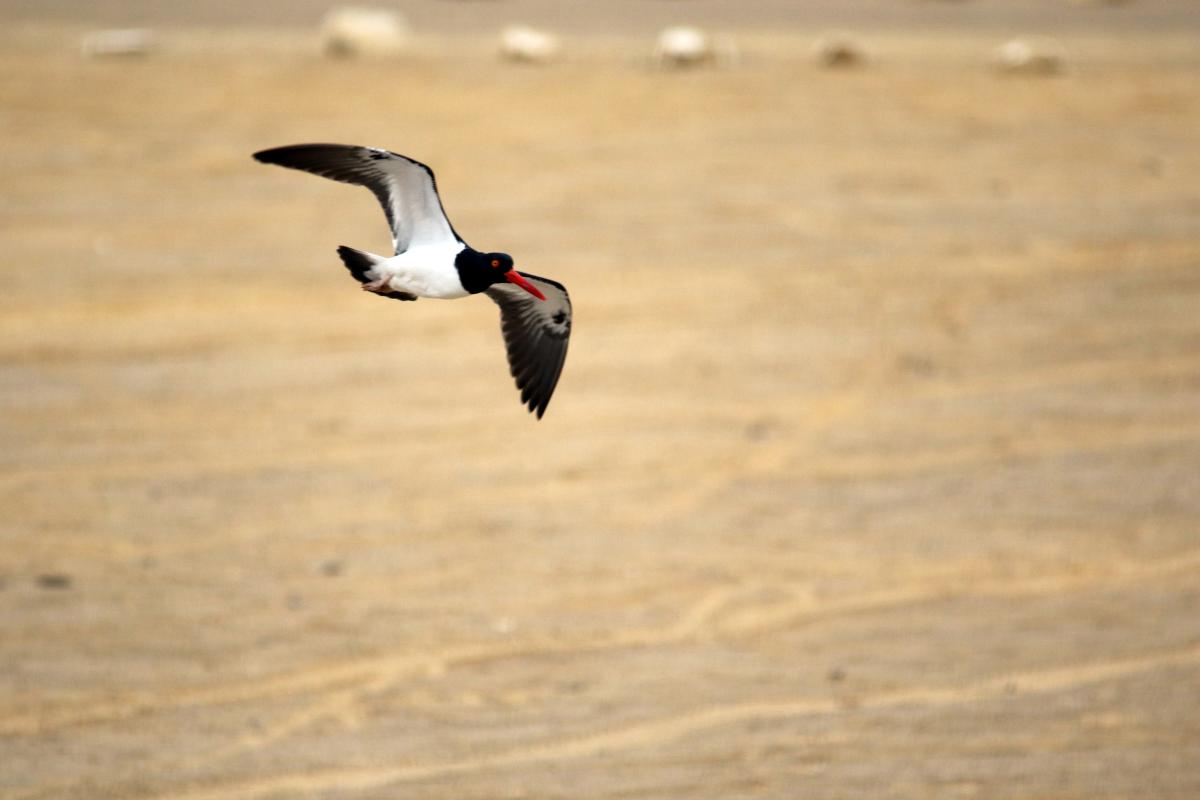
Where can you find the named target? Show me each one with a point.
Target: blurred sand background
(874, 470)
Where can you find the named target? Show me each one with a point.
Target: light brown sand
(874, 471)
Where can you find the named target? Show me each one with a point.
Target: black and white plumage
(432, 260)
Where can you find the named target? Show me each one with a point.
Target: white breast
(427, 271)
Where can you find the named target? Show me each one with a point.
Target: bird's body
(423, 271)
(432, 260)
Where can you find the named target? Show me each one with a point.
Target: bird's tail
(360, 264)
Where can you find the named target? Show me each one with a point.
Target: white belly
(426, 272)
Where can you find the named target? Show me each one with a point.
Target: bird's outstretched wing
(406, 189)
(536, 333)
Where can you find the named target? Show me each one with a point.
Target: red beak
(512, 276)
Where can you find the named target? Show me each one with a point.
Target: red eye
(495, 262)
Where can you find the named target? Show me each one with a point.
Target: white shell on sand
(118, 42)
(350, 31)
(683, 46)
(686, 46)
(530, 45)
(1035, 55)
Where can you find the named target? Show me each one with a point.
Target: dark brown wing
(536, 333)
(405, 188)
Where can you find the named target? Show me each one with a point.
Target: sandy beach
(874, 470)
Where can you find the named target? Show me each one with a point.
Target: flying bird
(432, 260)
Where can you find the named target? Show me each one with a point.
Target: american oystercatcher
(432, 260)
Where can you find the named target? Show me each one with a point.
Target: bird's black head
(478, 271)
(499, 263)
